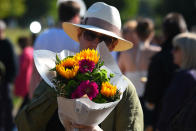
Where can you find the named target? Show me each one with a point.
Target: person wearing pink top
(22, 81)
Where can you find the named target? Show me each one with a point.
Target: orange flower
(68, 68)
(91, 55)
(108, 89)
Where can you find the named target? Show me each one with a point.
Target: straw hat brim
(72, 30)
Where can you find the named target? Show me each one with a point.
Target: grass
(14, 33)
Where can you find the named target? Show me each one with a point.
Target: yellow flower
(68, 68)
(88, 54)
(108, 89)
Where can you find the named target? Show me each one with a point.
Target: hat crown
(104, 12)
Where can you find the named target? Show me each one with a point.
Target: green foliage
(4, 8)
(14, 33)
(70, 87)
(111, 75)
(11, 8)
(127, 8)
(99, 99)
(57, 59)
(18, 8)
(83, 77)
(38, 10)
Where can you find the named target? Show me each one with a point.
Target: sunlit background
(30, 17)
(19, 14)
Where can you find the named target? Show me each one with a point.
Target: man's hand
(86, 128)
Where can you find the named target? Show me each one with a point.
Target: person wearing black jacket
(184, 118)
(184, 81)
(161, 69)
(8, 59)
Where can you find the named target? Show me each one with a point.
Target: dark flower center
(68, 67)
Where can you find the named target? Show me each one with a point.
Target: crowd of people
(161, 76)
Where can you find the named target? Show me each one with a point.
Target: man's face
(90, 39)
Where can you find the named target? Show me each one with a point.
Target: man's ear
(76, 19)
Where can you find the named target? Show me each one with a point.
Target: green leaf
(57, 59)
(72, 83)
(111, 75)
(83, 77)
(68, 57)
(99, 99)
(53, 69)
(102, 63)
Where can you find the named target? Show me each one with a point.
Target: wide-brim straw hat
(100, 18)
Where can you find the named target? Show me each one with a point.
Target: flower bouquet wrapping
(89, 84)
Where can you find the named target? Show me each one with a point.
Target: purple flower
(86, 65)
(86, 87)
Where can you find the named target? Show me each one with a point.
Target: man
(101, 23)
(8, 59)
(55, 39)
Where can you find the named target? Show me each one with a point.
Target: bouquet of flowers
(81, 75)
(89, 84)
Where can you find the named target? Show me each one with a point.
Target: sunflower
(108, 89)
(67, 68)
(89, 54)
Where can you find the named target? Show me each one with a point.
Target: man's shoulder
(130, 89)
(44, 89)
(49, 32)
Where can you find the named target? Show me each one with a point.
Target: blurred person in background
(183, 119)
(68, 11)
(136, 61)
(22, 81)
(2, 77)
(183, 84)
(125, 57)
(2, 73)
(157, 39)
(55, 39)
(161, 69)
(8, 59)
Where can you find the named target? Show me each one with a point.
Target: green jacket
(127, 116)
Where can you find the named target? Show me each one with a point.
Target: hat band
(101, 24)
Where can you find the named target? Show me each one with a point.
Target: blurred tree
(186, 7)
(11, 8)
(38, 10)
(149, 8)
(17, 8)
(128, 8)
(4, 8)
